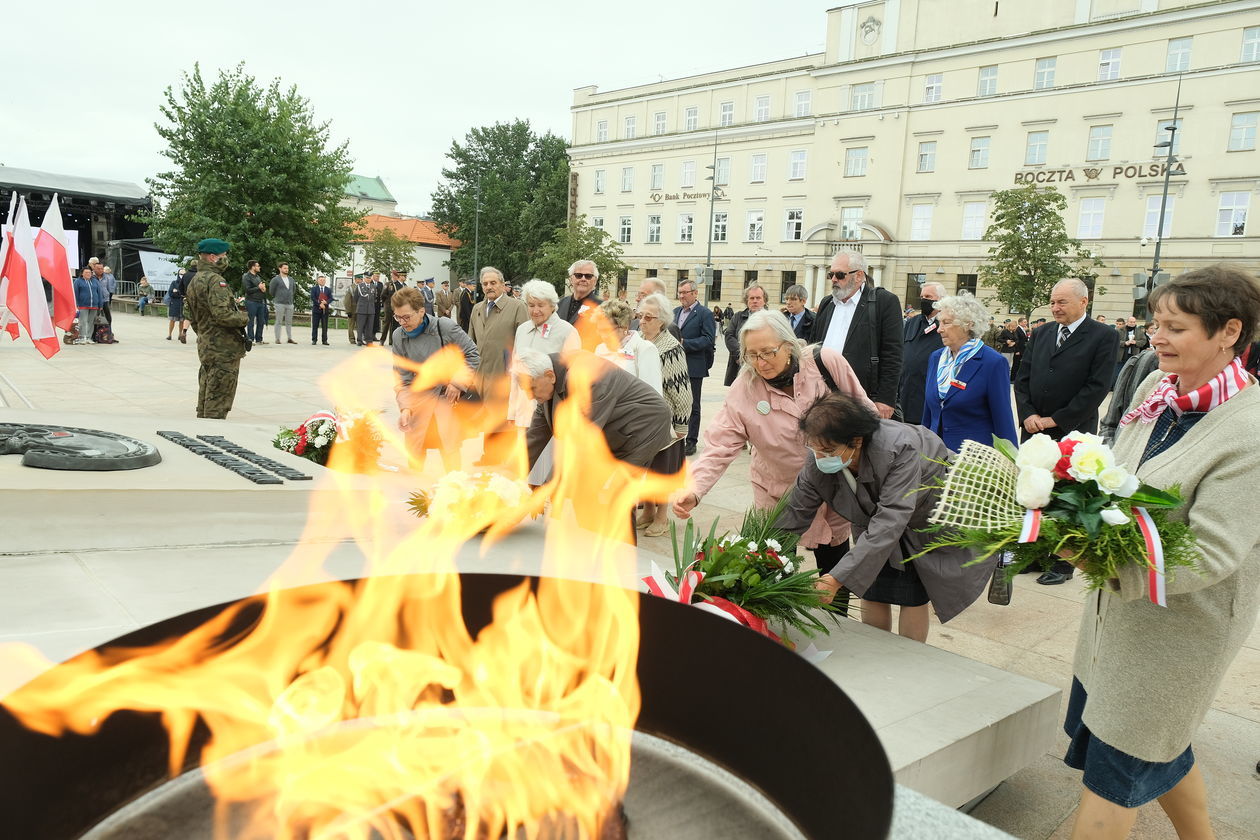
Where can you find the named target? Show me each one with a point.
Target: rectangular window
(630, 129)
(1231, 215)
(1035, 149)
(1151, 222)
(756, 222)
(862, 97)
(624, 230)
(687, 178)
(683, 275)
(654, 229)
(758, 173)
(715, 285)
(657, 180)
(627, 178)
(1099, 146)
(599, 181)
(850, 223)
(794, 225)
(1250, 44)
(722, 172)
(726, 113)
(932, 88)
(927, 156)
(691, 119)
(803, 103)
(786, 281)
(1043, 75)
(979, 157)
(1090, 224)
(1178, 55)
(649, 272)
(921, 222)
(914, 289)
(974, 215)
(967, 284)
(1161, 137)
(796, 165)
(750, 277)
(987, 84)
(855, 162)
(597, 222)
(719, 227)
(658, 122)
(1242, 131)
(686, 226)
(761, 108)
(1108, 65)
(601, 131)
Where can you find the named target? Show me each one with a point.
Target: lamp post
(477, 231)
(1171, 143)
(713, 190)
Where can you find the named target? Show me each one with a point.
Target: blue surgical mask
(832, 463)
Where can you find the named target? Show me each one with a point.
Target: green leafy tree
(250, 165)
(577, 241)
(1031, 250)
(386, 251)
(523, 182)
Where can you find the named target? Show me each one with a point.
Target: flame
(351, 708)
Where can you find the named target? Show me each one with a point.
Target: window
(1099, 147)
(658, 122)
(979, 157)
(1242, 132)
(691, 119)
(1035, 150)
(761, 108)
(1178, 55)
(1250, 44)
(855, 162)
(649, 272)
(627, 178)
(657, 179)
(750, 277)
(688, 176)
(1090, 224)
(654, 230)
(630, 129)
(715, 285)
(756, 222)
(758, 173)
(1151, 223)
(987, 85)
(796, 164)
(803, 102)
(1231, 217)
(1108, 65)
(794, 225)
(722, 172)
(597, 222)
(786, 281)
(932, 88)
(624, 230)
(1043, 74)
(686, 225)
(974, 215)
(599, 181)
(682, 275)
(927, 156)
(719, 227)
(1162, 134)
(601, 131)
(726, 113)
(920, 222)
(967, 284)
(914, 289)
(862, 97)
(850, 223)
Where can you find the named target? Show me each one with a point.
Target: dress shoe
(291, 341)
(325, 343)
(260, 341)
(689, 449)
(1053, 578)
(168, 338)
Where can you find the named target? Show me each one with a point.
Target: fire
(344, 709)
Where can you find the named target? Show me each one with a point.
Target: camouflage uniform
(212, 310)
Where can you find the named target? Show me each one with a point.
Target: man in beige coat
(492, 327)
(445, 300)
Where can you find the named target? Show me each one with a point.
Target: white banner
(160, 268)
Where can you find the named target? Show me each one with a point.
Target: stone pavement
(1034, 637)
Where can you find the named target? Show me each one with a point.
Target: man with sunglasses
(864, 323)
(583, 281)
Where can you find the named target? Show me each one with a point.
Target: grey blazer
(282, 293)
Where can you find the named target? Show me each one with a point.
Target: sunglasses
(840, 275)
(578, 275)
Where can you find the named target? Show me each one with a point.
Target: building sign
(657, 197)
(1099, 173)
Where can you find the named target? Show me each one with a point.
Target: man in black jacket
(698, 334)
(797, 311)
(921, 337)
(755, 298)
(864, 323)
(573, 307)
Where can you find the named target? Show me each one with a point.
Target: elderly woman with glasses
(779, 381)
(546, 332)
(967, 394)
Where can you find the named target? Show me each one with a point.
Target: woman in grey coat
(871, 471)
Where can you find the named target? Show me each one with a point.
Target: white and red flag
(54, 264)
(24, 292)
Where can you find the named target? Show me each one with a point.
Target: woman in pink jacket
(763, 407)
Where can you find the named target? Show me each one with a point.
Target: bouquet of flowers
(311, 440)
(1067, 498)
(483, 497)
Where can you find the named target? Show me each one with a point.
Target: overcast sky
(398, 80)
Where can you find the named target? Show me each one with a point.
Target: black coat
(698, 337)
(917, 346)
(805, 327)
(730, 334)
(1067, 383)
(873, 345)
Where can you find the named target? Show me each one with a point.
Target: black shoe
(1053, 578)
(689, 449)
(325, 343)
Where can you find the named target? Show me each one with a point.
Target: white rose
(1117, 482)
(1032, 488)
(1114, 516)
(1089, 460)
(774, 545)
(1084, 437)
(752, 545)
(1038, 452)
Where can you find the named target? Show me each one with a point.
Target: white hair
(857, 262)
(661, 304)
(777, 322)
(655, 283)
(940, 287)
(591, 263)
(531, 363)
(1077, 286)
(540, 290)
(490, 270)
(969, 313)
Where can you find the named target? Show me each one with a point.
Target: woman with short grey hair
(545, 332)
(965, 311)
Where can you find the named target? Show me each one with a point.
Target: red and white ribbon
(328, 415)
(1154, 557)
(660, 586)
(1032, 526)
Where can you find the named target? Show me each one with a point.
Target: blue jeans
(257, 310)
(142, 303)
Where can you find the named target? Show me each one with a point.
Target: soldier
(397, 280)
(348, 304)
(220, 326)
(445, 301)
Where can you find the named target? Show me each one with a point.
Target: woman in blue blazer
(968, 388)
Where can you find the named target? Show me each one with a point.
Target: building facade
(431, 250)
(892, 141)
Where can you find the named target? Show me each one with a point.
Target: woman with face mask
(871, 472)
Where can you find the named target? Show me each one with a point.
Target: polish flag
(25, 293)
(7, 322)
(54, 264)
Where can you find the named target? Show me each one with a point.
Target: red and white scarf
(1206, 397)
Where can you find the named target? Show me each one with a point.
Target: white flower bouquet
(483, 497)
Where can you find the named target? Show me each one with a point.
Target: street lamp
(477, 231)
(713, 190)
(1170, 144)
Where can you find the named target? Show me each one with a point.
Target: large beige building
(892, 141)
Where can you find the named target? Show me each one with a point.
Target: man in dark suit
(583, 297)
(321, 307)
(920, 338)
(465, 302)
(1022, 334)
(797, 311)
(1065, 376)
(699, 341)
(864, 323)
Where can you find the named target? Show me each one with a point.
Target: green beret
(212, 246)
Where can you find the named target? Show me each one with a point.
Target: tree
(523, 182)
(386, 251)
(577, 241)
(1032, 250)
(252, 166)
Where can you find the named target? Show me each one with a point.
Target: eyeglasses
(405, 319)
(840, 275)
(579, 275)
(753, 357)
(648, 318)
